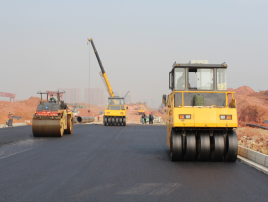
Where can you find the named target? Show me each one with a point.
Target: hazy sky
(43, 44)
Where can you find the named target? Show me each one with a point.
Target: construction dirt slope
(252, 108)
(133, 115)
(25, 109)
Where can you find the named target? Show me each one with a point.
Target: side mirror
(88, 111)
(164, 99)
(127, 107)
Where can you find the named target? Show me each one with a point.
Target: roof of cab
(223, 65)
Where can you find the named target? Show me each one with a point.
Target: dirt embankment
(253, 138)
(95, 110)
(133, 115)
(251, 106)
(25, 109)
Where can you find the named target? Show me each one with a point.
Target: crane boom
(104, 75)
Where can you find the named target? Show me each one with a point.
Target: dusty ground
(25, 109)
(253, 138)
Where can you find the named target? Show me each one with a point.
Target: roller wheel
(176, 146)
(217, 146)
(120, 121)
(61, 130)
(203, 146)
(116, 121)
(47, 128)
(124, 121)
(231, 147)
(113, 121)
(70, 124)
(109, 120)
(104, 120)
(190, 146)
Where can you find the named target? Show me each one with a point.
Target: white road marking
(15, 153)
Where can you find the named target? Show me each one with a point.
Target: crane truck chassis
(200, 123)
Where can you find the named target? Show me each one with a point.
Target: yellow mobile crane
(199, 120)
(140, 109)
(115, 111)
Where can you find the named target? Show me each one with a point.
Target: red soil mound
(244, 90)
(25, 109)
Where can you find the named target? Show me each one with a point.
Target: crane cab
(200, 113)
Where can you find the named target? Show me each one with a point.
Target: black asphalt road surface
(109, 163)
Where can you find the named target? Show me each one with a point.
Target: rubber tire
(120, 121)
(176, 146)
(70, 125)
(113, 121)
(116, 121)
(203, 146)
(217, 146)
(124, 121)
(109, 121)
(231, 147)
(104, 120)
(190, 146)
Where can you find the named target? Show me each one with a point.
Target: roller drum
(47, 128)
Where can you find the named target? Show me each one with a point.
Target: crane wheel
(231, 147)
(113, 121)
(203, 146)
(70, 125)
(109, 121)
(217, 146)
(176, 146)
(124, 121)
(190, 146)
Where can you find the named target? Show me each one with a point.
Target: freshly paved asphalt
(132, 163)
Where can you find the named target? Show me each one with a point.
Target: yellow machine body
(201, 114)
(122, 112)
(140, 109)
(201, 117)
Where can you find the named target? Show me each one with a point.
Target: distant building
(71, 95)
(94, 96)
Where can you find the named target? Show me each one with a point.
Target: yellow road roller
(200, 119)
(52, 118)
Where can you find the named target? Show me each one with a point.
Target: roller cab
(200, 113)
(115, 112)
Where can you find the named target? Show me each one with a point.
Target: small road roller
(200, 114)
(52, 119)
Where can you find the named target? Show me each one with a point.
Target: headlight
(185, 116)
(226, 117)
